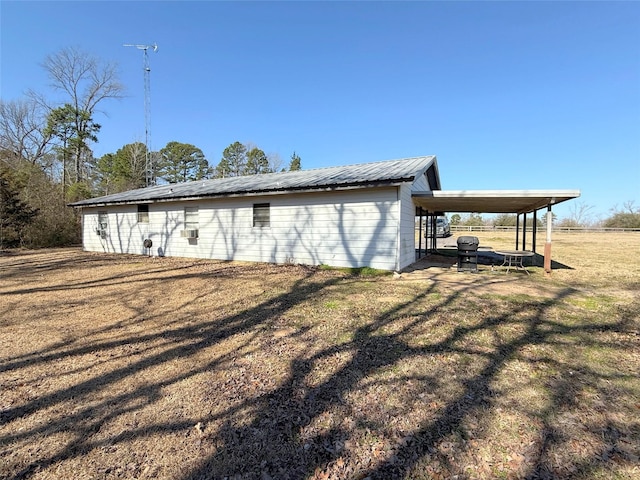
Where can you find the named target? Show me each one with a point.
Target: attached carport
(519, 202)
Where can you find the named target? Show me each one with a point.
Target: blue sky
(508, 95)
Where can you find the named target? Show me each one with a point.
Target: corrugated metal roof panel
(390, 171)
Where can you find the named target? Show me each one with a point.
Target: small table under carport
(514, 258)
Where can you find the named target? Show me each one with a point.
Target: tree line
(46, 159)
(177, 162)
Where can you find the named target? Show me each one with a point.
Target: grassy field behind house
(135, 367)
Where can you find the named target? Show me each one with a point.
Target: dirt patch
(134, 367)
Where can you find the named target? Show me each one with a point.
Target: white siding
(123, 234)
(407, 232)
(407, 241)
(420, 184)
(353, 228)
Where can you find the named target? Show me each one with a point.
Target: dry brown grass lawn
(133, 367)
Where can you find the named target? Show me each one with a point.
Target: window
(102, 220)
(191, 225)
(261, 215)
(103, 224)
(191, 218)
(143, 213)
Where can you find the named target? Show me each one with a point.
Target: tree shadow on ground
(309, 425)
(272, 444)
(180, 341)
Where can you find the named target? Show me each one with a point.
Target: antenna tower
(150, 168)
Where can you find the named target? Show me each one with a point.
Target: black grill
(468, 254)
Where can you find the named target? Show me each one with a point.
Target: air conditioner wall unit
(189, 233)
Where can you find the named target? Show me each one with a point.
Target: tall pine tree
(182, 162)
(296, 163)
(233, 162)
(257, 162)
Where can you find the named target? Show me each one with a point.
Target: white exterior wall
(353, 228)
(407, 230)
(123, 234)
(407, 240)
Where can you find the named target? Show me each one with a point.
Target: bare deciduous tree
(579, 215)
(23, 135)
(86, 82)
(275, 162)
(137, 154)
(629, 206)
(84, 79)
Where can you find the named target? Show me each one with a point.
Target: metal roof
(491, 201)
(361, 175)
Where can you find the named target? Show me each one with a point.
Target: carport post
(434, 233)
(535, 231)
(547, 245)
(419, 212)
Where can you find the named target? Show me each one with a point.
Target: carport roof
(491, 201)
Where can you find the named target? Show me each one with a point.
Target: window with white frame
(191, 222)
(261, 215)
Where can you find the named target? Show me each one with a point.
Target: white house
(348, 216)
